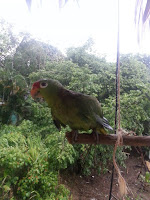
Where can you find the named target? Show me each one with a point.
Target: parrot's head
(45, 89)
(37, 88)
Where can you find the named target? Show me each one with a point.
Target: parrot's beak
(35, 93)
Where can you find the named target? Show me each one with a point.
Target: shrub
(26, 170)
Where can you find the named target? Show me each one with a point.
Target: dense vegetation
(32, 151)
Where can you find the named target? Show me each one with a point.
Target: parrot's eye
(43, 85)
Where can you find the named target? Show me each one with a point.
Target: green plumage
(79, 111)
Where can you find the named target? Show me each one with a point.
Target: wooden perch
(85, 138)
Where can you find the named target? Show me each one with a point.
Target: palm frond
(142, 11)
(146, 11)
(142, 16)
(61, 3)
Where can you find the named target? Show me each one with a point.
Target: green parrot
(77, 110)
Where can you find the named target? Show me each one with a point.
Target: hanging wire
(117, 94)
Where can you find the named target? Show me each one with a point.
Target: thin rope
(118, 64)
(116, 110)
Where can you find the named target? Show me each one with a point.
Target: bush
(27, 164)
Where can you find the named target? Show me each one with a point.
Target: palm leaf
(61, 3)
(142, 11)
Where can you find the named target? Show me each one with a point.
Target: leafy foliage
(32, 56)
(29, 166)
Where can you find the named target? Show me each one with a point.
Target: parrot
(79, 111)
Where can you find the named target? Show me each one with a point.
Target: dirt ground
(97, 187)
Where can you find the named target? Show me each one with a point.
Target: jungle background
(36, 161)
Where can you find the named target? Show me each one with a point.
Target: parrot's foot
(96, 136)
(74, 135)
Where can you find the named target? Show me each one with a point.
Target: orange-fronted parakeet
(79, 111)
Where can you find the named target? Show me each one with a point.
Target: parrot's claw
(96, 136)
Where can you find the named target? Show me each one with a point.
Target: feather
(103, 121)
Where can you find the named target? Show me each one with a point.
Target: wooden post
(85, 138)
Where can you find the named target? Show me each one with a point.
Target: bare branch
(109, 139)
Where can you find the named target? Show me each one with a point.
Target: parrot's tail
(106, 124)
(103, 122)
(102, 131)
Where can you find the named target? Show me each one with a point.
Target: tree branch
(108, 139)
